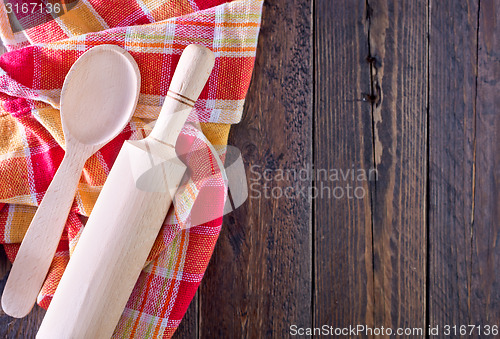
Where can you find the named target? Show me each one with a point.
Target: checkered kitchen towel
(154, 32)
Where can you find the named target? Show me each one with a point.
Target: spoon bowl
(93, 105)
(98, 98)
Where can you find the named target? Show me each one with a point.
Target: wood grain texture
(398, 43)
(452, 81)
(259, 280)
(464, 147)
(485, 277)
(343, 279)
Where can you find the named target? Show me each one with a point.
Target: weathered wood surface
(343, 256)
(464, 160)
(259, 280)
(409, 88)
(452, 110)
(399, 47)
(485, 232)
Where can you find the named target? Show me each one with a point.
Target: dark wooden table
(407, 91)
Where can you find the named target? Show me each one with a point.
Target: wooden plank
(343, 142)
(259, 280)
(452, 70)
(398, 43)
(485, 277)
(464, 213)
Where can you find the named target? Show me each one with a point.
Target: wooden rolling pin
(127, 217)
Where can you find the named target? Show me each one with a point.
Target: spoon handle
(40, 243)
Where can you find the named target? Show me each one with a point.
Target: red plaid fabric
(154, 32)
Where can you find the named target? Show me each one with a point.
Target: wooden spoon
(98, 98)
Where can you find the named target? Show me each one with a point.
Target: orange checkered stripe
(93, 16)
(31, 139)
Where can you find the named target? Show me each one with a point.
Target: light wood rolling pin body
(126, 218)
